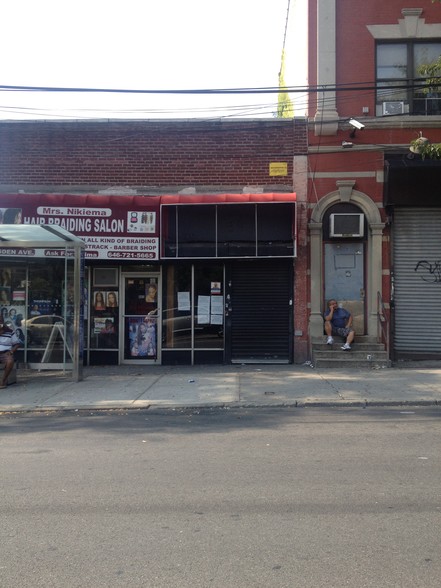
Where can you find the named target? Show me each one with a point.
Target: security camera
(357, 124)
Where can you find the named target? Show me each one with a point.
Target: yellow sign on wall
(279, 168)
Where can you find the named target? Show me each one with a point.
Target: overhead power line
(354, 87)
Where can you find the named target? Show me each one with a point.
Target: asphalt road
(221, 498)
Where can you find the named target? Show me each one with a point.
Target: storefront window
(176, 313)
(237, 230)
(209, 307)
(193, 315)
(104, 318)
(269, 242)
(229, 230)
(197, 231)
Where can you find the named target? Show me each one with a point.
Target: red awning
(227, 198)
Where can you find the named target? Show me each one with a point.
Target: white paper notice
(217, 310)
(217, 305)
(216, 319)
(203, 310)
(183, 300)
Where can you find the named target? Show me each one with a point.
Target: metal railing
(383, 330)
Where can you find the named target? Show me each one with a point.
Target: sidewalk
(129, 387)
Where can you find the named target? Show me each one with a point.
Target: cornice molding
(411, 26)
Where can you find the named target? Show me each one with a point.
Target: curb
(152, 407)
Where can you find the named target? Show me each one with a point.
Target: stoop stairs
(366, 352)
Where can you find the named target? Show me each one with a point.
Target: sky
(149, 45)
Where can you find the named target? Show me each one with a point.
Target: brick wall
(146, 153)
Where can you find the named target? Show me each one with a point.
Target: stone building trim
(346, 193)
(411, 26)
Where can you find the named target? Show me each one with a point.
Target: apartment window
(397, 70)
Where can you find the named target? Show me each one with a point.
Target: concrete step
(350, 363)
(360, 346)
(362, 339)
(368, 355)
(366, 352)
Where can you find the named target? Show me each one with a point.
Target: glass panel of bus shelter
(49, 323)
(13, 298)
(47, 283)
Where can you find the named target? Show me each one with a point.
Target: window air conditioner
(346, 225)
(395, 107)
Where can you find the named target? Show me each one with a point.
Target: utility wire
(351, 87)
(286, 25)
(265, 109)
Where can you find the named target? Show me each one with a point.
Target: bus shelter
(41, 294)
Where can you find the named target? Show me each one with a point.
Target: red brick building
(192, 249)
(374, 206)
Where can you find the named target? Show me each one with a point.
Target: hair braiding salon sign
(112, 227)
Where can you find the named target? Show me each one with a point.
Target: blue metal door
(344, 279)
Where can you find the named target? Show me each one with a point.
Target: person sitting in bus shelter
(338, 322)
(9, 343)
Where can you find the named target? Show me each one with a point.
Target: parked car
(177, 324)
(39, 328)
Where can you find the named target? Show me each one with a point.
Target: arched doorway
(372, 254)
(344, 230)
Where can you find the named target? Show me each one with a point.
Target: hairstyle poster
(142, 335)
(112, 299)
(40, 306)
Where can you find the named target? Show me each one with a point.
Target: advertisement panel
(113, 227)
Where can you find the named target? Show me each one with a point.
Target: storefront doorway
(259, 311)
(192, 328)
(139, 321)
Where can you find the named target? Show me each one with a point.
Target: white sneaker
(346, 347)
(330, 341)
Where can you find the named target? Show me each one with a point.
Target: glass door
(140, 319)
(193, 314)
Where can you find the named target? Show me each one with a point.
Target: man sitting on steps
(9, 343)
(338, 322)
